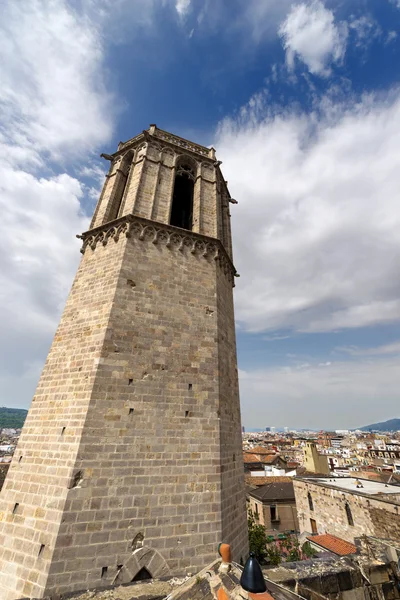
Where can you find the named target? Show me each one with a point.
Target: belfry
(130, 461)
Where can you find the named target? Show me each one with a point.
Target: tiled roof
(261, 450)
(250, 458)
(333, 544)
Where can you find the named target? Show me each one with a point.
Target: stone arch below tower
(143, 558)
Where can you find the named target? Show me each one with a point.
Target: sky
(301, 99)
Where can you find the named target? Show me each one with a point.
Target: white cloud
(52, 94)
(311, 34)
(391, 36)
(56, 111)
(316, 229)
(182, 7)
(331, 395)
(38, 258)
(365, 30)
(393, 348)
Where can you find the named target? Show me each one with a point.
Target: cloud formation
(56, 110)
(53, 92)
(310, 34)
(182, 7)
(316, 229)
(337, 395)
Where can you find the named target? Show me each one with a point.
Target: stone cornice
(186, 144)
(159, 233)
(159, 135)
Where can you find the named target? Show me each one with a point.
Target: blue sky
(302, 102)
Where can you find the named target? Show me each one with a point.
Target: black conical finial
(252, 579)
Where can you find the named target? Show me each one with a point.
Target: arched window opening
(310, 501)
(349, 515)
(182, 200)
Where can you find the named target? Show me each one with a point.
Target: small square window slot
(104, 572)
(190, 386)
(130, 381)
(131, 411)
(187, 413)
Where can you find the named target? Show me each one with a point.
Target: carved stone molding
(177, 141)
(172, 237)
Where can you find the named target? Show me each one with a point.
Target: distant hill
(391, 425)
(12, 417)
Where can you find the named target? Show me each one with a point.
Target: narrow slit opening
(63, 430)
(16, 505)
(42, 547)
(104, 571)
(131, 411)
(190, 386)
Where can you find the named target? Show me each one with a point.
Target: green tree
(257, 537)
(292, 547)
(308, 551)
(274, 556)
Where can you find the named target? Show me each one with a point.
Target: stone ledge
(159, 233)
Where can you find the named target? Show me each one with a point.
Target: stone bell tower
(130, 461)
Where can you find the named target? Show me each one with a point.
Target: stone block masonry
(130, 457)
(375, 515)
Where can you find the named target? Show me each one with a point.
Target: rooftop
(333, 544)
(260, 481)
(364, 487)
(282, 490)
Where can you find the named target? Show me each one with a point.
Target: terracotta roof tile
(250, 458)
(263, 596)
(333, 544)
(261, 450)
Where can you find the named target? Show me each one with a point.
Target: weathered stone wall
(35, 490)
(131, 452)
(338, 579)
(285, 511)
(233, 498)
(371, 516)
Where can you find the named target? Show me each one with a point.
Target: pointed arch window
(310, 501)
(349, 515)
(182, 200)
